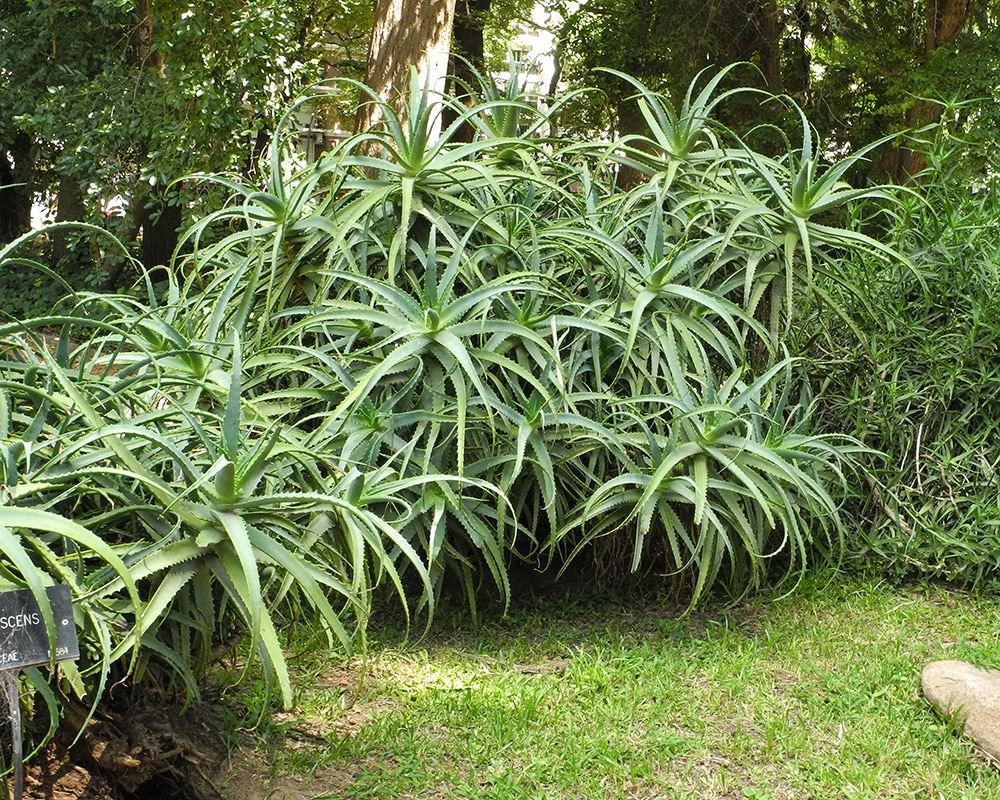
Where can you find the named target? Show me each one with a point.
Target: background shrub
(921, 386)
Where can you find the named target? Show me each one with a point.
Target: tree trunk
(943, 22)
(750, 31)
(144, 55)
(468, 45)
(407, 33)
(769, 29)
(467, 38)
(15, 189)
(159, 233)
(153, 214)
(69, 208)
(798, 80)
(630, 122)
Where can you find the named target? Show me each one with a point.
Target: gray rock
(971, 696)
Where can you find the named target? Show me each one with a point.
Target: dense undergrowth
(422, 360)
(920, 382)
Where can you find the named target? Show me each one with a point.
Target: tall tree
(15, 186)
(666, 43)
(407, 33)
(886, 67)
(944, 20)
(467, 40)
(467, 59)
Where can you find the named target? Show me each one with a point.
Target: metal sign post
(24, 642)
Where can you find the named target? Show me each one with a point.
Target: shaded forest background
(116, 100)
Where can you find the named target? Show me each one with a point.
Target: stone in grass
(971, 696)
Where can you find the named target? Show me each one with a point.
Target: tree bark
(750, 31)
(466, 43)
(159, 232)
(798, 80)
(152, 211)
(69, 208)
(630, 122)
(144, 55)
(407, 33)
(944, 20)
(467, 38)
(15, 189)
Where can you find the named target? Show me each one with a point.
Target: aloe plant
(676, 135)
(400, 370)
(717, 483)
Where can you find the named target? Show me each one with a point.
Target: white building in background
(315, 134)
(533, 51)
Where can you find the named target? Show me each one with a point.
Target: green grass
(811, 696)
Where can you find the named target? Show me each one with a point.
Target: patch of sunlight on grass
(814, 695)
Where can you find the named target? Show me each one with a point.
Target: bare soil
(245, 778)
(145, 754)
(148, 750)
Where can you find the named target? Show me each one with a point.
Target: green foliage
(502, 314)
(921, 387)
(420, 360)
(104, 102)
(136, 431)
(183, 104)
(860, 71)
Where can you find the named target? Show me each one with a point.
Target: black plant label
(24, 642)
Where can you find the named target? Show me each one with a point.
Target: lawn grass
(815, 695)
